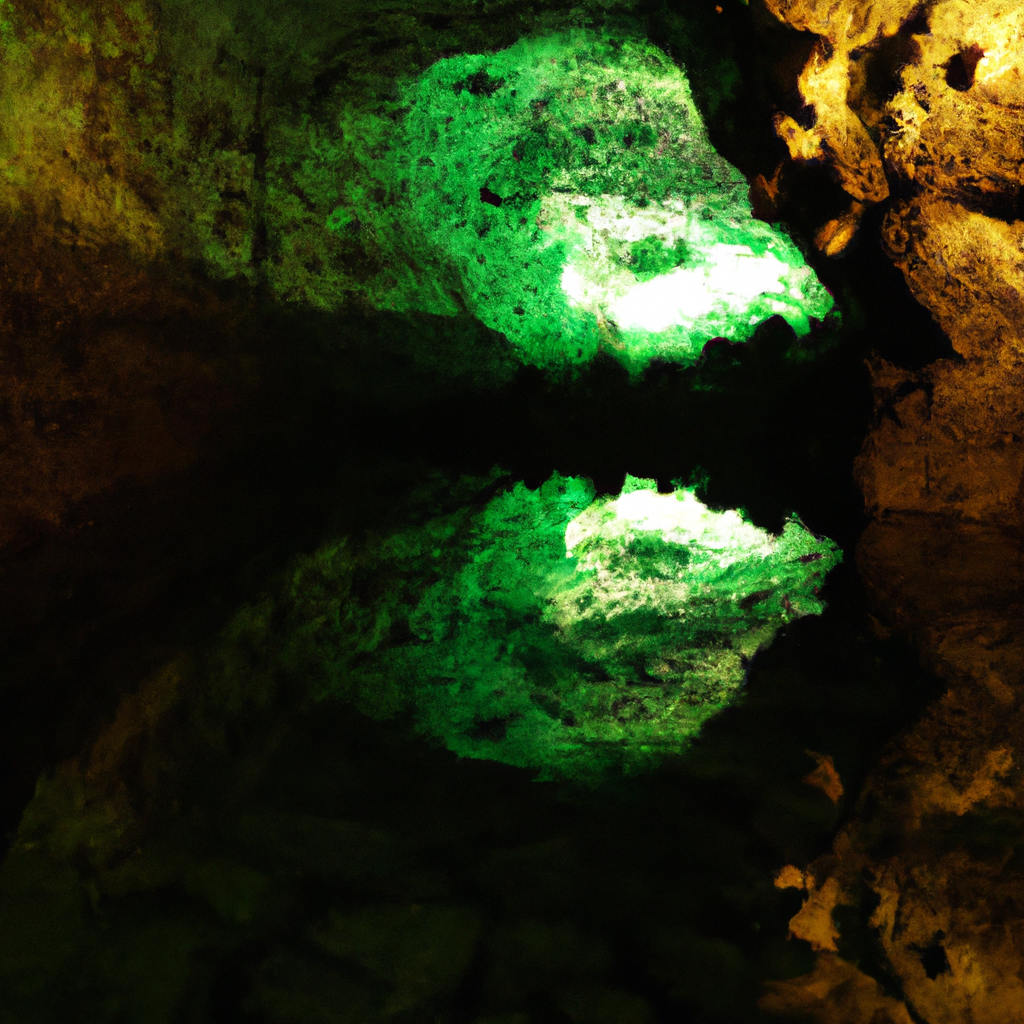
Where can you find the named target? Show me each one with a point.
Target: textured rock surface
(832, 84)
(566, 191)
(923, 892)
(577, 636)
(167, 166)
(155, 169)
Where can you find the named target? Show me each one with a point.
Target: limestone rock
(925, 891)
(827, 83)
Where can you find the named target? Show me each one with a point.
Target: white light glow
(679, 518)
(721, 278)
(732, 277)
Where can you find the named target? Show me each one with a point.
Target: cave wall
(922, 893)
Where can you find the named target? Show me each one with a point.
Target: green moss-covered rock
(568, 193)
(561, 187)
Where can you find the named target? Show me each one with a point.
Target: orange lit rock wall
(927, 869)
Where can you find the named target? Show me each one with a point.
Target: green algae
(6, 24)
(576, 635)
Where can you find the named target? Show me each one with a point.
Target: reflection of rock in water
(927, 890)
(581, 637)
(228, 840)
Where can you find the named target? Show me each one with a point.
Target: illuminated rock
(515, 185)
(833, 84)
(957, 123)
(576, 202)
(576, 635)
(931, 858)
(953, 447)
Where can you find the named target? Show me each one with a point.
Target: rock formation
(923, 892)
